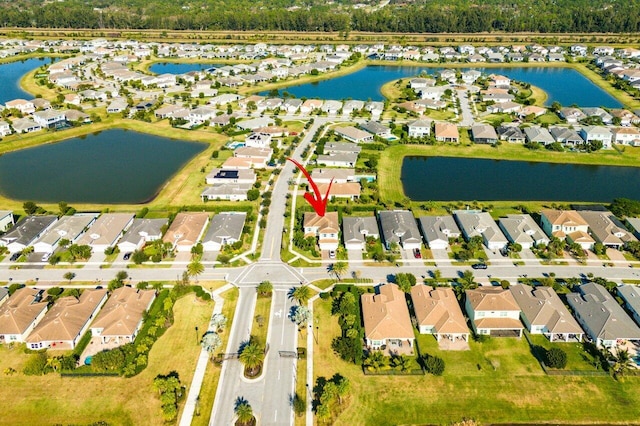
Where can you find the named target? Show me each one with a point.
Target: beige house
(325, 228)
(386, 320)
(544, 313)
(560, 223)
(349, 190)
(438, 313)
(121, 317)
(607, 229)
(446, 132)
(106, 230)
(20, 314)
(66, 322)
(186, 230)
(494, 312)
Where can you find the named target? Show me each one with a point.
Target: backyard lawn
(30, 400)
(498, 381)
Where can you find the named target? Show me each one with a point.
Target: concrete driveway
(354, 255)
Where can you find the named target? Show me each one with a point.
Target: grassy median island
(498, 381)
(391, 159)
(114, 400)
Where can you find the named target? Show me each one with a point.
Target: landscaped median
(497, 381)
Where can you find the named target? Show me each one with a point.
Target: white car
(46, 257)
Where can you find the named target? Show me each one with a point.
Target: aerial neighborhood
(449, 216)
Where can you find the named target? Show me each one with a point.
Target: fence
(72, 374)
(413, 372)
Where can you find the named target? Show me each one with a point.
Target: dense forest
(421, 16)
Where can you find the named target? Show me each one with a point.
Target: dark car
(15, 256)
(417, 254)
(126, 256)
(479, 266)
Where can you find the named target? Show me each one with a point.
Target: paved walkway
(201, 366)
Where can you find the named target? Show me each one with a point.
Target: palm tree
(339, 268)
(244, 412)
(54, 363)
(622, 362)
(300, 294)
(465, 282)
(251, 357)
(436, 276)
(195, 268)
(375, 361)
(401, 362)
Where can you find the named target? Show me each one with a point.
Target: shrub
(556, 358)
(36, 364)
(324, 295)
(434, 365)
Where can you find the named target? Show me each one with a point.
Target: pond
(564, 85)
(12, 73)
(110, 167)
(177, 68)
(472, 179)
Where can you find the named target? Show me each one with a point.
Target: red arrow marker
(318, 203)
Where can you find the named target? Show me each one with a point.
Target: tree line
(544, 16)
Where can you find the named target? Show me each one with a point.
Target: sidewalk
(201, 366)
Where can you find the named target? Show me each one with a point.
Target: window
(503, 314)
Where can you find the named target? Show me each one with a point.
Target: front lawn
(509, 387)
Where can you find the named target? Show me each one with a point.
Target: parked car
(332, 254)
(15, 256)
(46, 257)
(126, 256)
(479, 266)
(417, 254)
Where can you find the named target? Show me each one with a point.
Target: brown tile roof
(446, 130)
(438, 307)
(492, 299)
(338, 189)
(67, 317)
(186, 228)
(122, 313)
(325, 224)
(17, 313)
(564, 217)
(386, 315)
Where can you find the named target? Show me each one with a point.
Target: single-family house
(26, 232)
(493, 311)
(325, 228)
(511, 134)
(484, 133)
(186, 230)
(331, 107)
(338, 159)
(438, 230)
(419, 128)
(356, 230)
(21, 313)
(341, 147)
(310, 105)
(630, 295)
(437, 312)
(537, 134)
(597, 133)
(65, 323)
(353, 134)
(572, 115)
(387, 324)
(399, 226)
(5, 128)
(225, 229)
(6, 220)
(106, 230)
(141, 232)
(566, 136)
(348, 190)
(240, 176)
(447, 132)
(320, 175)
(69, 228)
(117, 105)
(226, 191)
(49, 118)
(477, 223)
(522, 229)
(566, 224)
(626, 136)
(601, 317)
(25, 125)
(25, 107)
(607, 229)
(542, 312)
(121, 317)
(376, 129)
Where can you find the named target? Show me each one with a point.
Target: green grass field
(50, 399)
(508, 387)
